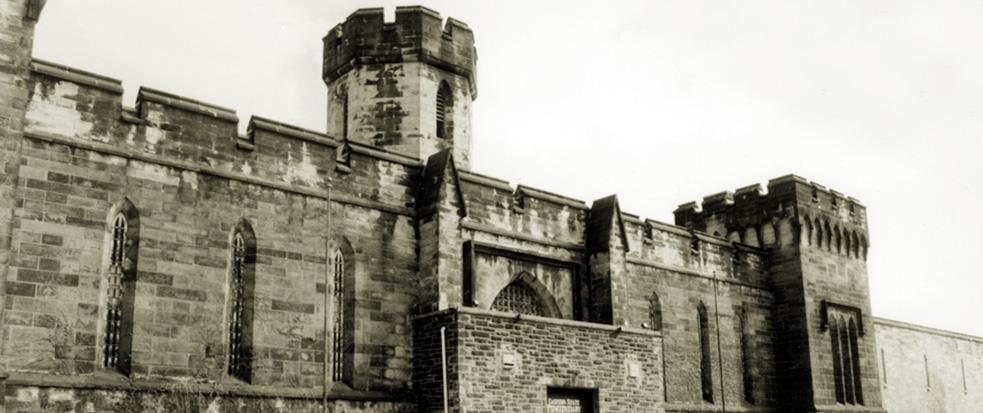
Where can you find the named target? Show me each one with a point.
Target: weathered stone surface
(426, 246)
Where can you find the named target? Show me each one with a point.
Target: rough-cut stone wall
(924, 370)
(192, 179)
(16, 40)
(816, 241)
(390, 72)
(499, 363)
(182, 398)
(666, 266)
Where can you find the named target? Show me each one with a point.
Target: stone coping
(542, 320)
(72, 74)
(927, 330)
(117, 382)
(146, 94)
(269, 125)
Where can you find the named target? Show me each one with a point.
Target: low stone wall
(35, 393)
(502, 362)
(925, 370)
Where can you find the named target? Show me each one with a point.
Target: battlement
(749, 214)
(786, 190)
(418, 34)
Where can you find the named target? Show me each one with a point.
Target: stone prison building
(154, 259)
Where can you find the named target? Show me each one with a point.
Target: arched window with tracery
(845, 347)
(119, 281)
(519, 297)
(445, 111)
(242, 283)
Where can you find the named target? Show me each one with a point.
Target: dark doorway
(565, 400)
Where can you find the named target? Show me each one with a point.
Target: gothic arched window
(844, 342)
(123, 234)
(445, 106)
(114, 293)
(241, 290)
(343, 315)
(706, 375)
(518, 297)
(655, 313)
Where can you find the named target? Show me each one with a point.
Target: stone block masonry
(149, 255)
(501, 362)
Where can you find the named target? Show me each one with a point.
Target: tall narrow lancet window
(114, 293)
(747, 374)
(343, 315)
(339, 316)
(240, 308)
(344, 115)
(445, 106)
(846, 352)
(655, 313)
(120, 278)
(834, 338)
(706, 375)
(855, 361)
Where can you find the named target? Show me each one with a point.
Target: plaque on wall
(570, 400)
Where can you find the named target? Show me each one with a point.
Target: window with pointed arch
(845, 348)
(242, 283)
(706, 375)
(445, 111)
(123, 236)
(655, 313)
(343, 316)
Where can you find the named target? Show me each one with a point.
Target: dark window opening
(114, 293)
(445, 113)
(747, 373)
(344, 115)
(120, 283)
(655, 313)
(706, 375)
(241, 290)
(845, 348)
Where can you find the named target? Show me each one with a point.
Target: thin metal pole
(443, 364)
(325, 381)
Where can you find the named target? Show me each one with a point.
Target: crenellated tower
(816, 245)
(405, 85)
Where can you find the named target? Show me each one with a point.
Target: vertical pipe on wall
(325, 379)
(443, 365)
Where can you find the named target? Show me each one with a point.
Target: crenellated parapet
(418, 34)
(790, 207)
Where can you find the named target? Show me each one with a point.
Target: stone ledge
(691, 272)
(544, 320)
(71, 74)
(551, 197)
(146, 94)
(259, 123)
(114, 382)
(926, 330)
(485, 180)
(380, 153)
(124, 153)
(478, 227)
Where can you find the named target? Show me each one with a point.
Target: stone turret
(816, 240)
(406, 86)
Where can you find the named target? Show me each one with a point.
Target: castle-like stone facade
(154, 259)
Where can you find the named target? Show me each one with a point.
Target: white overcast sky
(661, 102)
